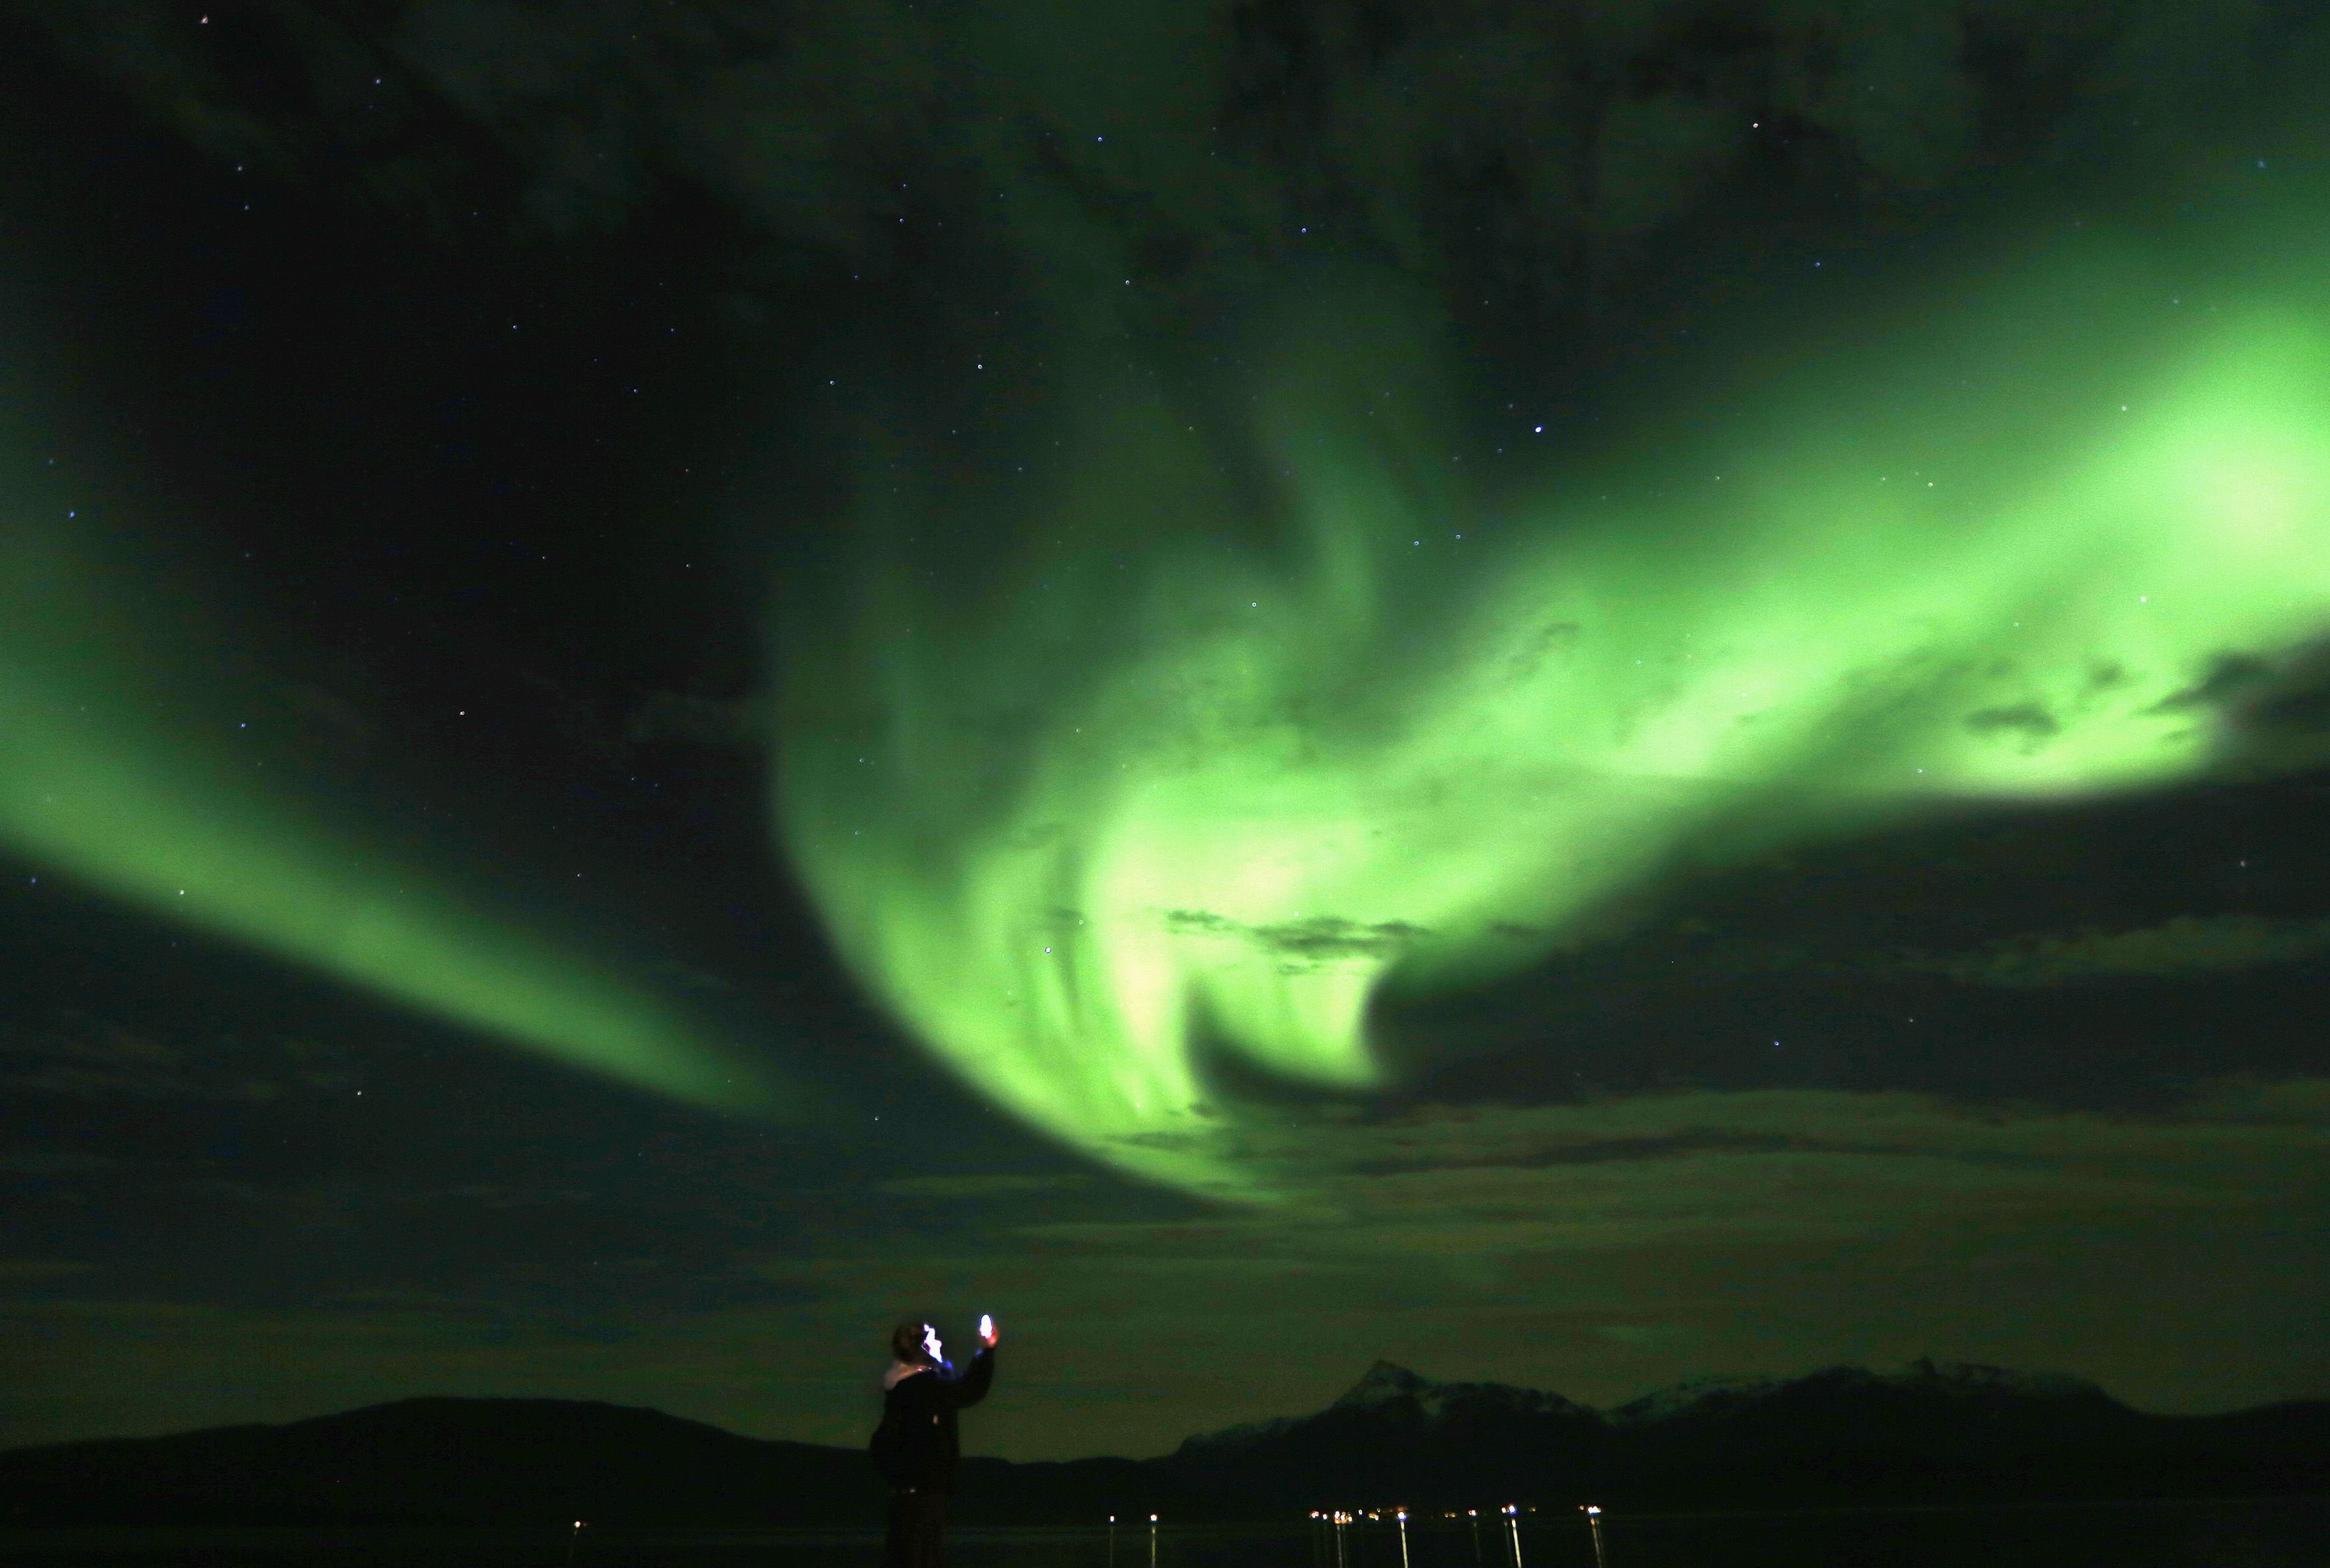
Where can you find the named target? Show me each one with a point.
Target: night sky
(1578, 694)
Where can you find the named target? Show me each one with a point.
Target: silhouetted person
(916, 1447)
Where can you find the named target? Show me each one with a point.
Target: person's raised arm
(972, 1385)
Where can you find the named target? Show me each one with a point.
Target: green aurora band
(105, 781)
(1076, 830)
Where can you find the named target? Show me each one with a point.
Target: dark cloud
(1532, 649)
(77, 1056)
(1531, 147)
(54, 1162)
(2180, 947)
(1201, 922)
(1592, 1151)
(2187, 947)
(1328, 937)
(986, 1185)
(2030, 720)
(1312, 939)
(2230, 678)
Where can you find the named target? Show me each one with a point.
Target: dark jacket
(918, 1447)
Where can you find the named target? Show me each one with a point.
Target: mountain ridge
(1926, 1433)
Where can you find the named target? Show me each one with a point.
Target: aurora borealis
(1273, 796)
(1575, 696)
(152, 810)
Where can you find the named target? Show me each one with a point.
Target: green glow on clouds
(101, 781)
(1144, 797)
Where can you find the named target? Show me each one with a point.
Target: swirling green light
(1073, 831)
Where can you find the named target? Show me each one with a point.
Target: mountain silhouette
(1931, 1432)
(1927, 1433)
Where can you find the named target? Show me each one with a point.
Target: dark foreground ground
(2276, 1534)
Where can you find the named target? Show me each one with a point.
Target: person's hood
(902, 1370)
